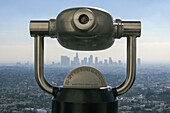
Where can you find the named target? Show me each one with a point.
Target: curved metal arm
(131, 66)
(39, 64)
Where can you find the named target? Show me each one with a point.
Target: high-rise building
(119, 62)
(100, 63)
(139, 61)
(65, 61)
(75, 61)
(90, 62)
(96, 60)
(105, 62)
(110, 61)
(84, 61)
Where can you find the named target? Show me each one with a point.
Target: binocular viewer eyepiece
(85, 28)
(83, 19)
(85, 89)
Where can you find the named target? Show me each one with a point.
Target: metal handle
(41, 29)
(39, 64)
(131, 67)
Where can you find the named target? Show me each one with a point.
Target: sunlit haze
(16, 44)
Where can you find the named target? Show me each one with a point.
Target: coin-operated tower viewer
(87, 29)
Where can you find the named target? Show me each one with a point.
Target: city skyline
(89, 61)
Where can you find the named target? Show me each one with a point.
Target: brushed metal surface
(94, 35)
(39, 64)
(85, 77)
(131, 66)
(131, 28)
(39, 28)
(98, 35)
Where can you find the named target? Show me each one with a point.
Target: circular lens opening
(83, 19)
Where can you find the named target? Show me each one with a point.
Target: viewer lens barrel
(83, 19)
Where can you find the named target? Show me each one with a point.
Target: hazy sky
(17, 45)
